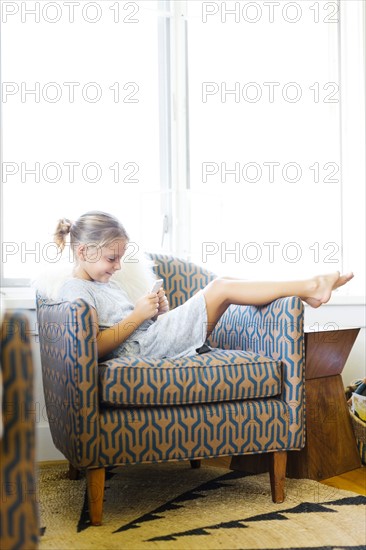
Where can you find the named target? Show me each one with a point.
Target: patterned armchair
(19, 528)
(245, 396)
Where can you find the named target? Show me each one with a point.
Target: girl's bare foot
(321, 287)
(313, 302)
(343, 279)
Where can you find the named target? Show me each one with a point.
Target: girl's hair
(94, 227)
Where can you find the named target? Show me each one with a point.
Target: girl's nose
(117, 265)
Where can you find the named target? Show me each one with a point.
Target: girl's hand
(163, 302)
(147, 307)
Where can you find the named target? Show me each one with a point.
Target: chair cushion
(221, 375)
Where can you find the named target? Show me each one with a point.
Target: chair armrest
(19, 516)
(67, 334)
(262, 329)
(276, 331)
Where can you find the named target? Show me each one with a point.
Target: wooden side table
(330, 447)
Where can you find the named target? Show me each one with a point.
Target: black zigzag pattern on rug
(303, 508)
(192, 494)
(200, 491)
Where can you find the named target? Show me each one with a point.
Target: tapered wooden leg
(195, 464)
(277, 473)
(74, 473)
(95, 478)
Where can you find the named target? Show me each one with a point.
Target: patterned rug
(166, 506)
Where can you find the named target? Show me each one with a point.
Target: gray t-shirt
(175, 334)
(112, 305)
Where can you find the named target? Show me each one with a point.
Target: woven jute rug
(173, 506)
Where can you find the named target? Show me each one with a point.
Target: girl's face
(96, 263)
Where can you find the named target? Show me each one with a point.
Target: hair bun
(63, 228)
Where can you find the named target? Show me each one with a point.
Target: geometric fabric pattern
(182, 279)
(67, 336)
(246, 396)
(19, 489)
(277, 331)
(222, 375)
(158, 434)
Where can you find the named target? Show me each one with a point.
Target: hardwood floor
(355, 480)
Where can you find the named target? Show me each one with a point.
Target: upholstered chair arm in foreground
(67, 334)
(276, 331)
(19, 518)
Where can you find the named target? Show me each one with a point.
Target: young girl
(99, 242)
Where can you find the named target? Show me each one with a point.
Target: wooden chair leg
(95, 478)
(74, 473)
(277, 473)
(195, 464)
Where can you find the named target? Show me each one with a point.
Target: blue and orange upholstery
(19, 528)
(244, 396)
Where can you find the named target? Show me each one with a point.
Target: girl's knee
(216, 300)
(220, 281)
(218, 288)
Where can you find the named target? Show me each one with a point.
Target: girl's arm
(110, 338)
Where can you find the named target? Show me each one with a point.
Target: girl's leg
(223, 292)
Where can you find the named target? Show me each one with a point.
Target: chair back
(182, 279)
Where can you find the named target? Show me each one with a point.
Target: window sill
(18, 298)
(25, 298)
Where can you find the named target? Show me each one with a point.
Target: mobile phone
(157, 285)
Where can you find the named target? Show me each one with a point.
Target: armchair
(245, 396)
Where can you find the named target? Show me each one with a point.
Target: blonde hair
(95, 227)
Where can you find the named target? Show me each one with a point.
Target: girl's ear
(80, 252)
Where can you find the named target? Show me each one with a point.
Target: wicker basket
(359, 429)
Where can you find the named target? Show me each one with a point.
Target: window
(264, 106)
(235, 130)
(81, 122)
